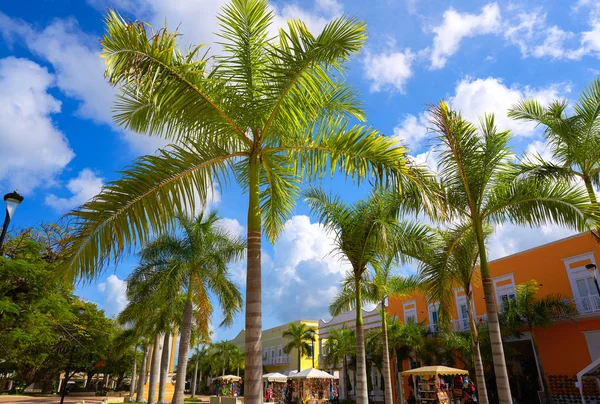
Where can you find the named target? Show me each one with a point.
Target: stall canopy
(228, 377)
(434, 370)
(275, 377)
(312, 373)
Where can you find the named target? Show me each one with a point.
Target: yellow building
(273, 341)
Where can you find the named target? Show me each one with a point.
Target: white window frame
(460, 300)
(406, 314)
(578, 273)
(431, 308)
(504, 289)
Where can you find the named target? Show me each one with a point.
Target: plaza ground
(5, 399)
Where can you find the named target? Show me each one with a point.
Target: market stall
(429, 387)
(312, 385)
(274, 388)
(228, 385)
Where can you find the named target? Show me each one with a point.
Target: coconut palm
(453, 263)
(300, 337)
(340, 345)
(237, 360)
(224, 352)
(270, 112)
(574, 141)
(528, 312)
(199, 356)
(378, 287)
(194, 261)
(482, 186)
(363, 231)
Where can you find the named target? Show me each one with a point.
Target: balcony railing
(276, 360)
(588, 304)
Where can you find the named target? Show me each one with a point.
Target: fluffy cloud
(232, 226)
(83, 188)
(33, 150)
(114, 291)
(474, 97)
(456, 26)
(412, 131)
(389, 69)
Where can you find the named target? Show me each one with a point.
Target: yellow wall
(273, 337)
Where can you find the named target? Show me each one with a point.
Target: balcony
(276, 360)
(587, 304)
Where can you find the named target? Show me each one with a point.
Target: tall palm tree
(528, 312)
(300, 337)
(194, 261)
(453, 263)
(363, 231)
(271, 111)
(574, 140)
(340, 345)
(378, 287)
(482, 186)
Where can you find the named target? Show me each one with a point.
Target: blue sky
(58, 143)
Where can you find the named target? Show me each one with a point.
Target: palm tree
(453, 263)
(271, 111)
(528, 312)
(482, 186)
(340, 345)
(383, 284)
(198, 356)
(300, 336)
(237, 360)
(223, 352)
(363, 231)
(574, 140)
(193, 260)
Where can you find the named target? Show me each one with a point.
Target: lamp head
(12, 201)
(592, 268)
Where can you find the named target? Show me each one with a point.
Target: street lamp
(68, 370)
(12, 201)
(594, 272)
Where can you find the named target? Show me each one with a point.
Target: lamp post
(593, 270)
(12, 201)
(68, 370)
(313, 348)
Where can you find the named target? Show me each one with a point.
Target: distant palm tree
(528, 312)
(224, 353)
(340, 345)
(453, 263)
(378, 287)
(574, 140)
(482, 187)
(198, 357)
(269, 112)
(193, 261)
(237, 360)
(363, 231)
(300, 337)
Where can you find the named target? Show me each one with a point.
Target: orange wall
(561, 344)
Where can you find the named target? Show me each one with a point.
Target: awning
(228, 377)
(312, 373)
(434, 370)
(275, 377)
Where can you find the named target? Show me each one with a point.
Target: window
(434, 316)
(265, 355)
(504, 287)
(462, 324)
(410, 312)
(272, 354)
(310, 351)
(279, 351)
(583, 287)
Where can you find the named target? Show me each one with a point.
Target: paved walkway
(49, 400)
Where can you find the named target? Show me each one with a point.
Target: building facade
(273, 342)
(567, 346)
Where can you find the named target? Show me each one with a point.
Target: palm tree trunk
(253, 340)
(194, 378)
(362, 396)
(345, 378)
(540, 366)
(164, 369)
(184, 348)
(299, 360)
(590, 189)
(143, 374)
(133, 373)
(502, 383)
(155, 368)
(477, 362)
(387, 374)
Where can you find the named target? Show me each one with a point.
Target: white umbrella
(228, 377)
(312, 373)
(275, 377)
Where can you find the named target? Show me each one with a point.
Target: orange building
(566, 347)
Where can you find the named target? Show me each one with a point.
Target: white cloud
(315, 19)
(114, 291)
(83, 188)
(553, 45)
(457, 26)
(232, 226)
(539, 148)
(412, 131)
(474, 97)
(33, 151)
(388, 70)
